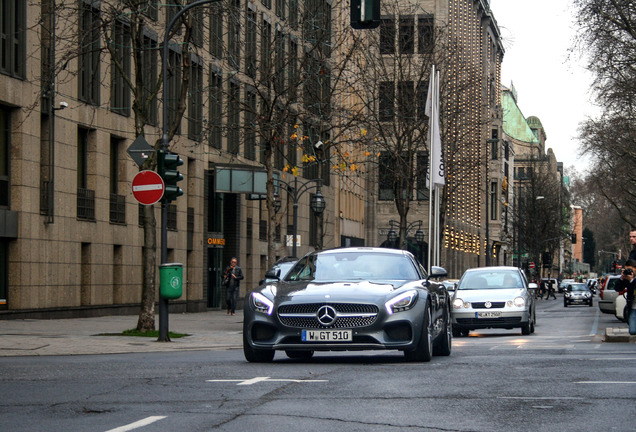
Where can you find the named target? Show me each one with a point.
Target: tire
(534, 321)
(423, 352)
(254, 355)
(526, 328)
(444, 342)
(300, 355)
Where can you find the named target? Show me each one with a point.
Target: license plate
(487, 314)
(327, 335)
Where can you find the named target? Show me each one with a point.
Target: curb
(619, 335)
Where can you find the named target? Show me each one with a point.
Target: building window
(406, 101)
(216, 110)
(280, 60)
(493, 201)
(425, 40)
(120, 69)
(171, 223)
(266, 49)
(386, 177)
(173, 92)
(5, 155)
(233, 118)
(151, 10)
(494, 145)
(85, 196)
(197, 26)
(387, 101)
(234, 34)
(422, 169)
(281, 8)
(89, 51)
(292, 68)
(407, 35)
(293, 14)
(387, 36)
(4, 273)
(195, 97)
(12, 38)
(250, 124)
(117, 201)
(149, 71)
(216, 31)
(250, 43)
(422, 93)
(172, 7)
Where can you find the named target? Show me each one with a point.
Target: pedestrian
(628, 282)
(632, 240)
(232, 277)
(549, 289)
(541, 289)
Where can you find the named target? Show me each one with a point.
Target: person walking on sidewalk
(632, 241)
(549, 286)
(232, 277)
(627, 281)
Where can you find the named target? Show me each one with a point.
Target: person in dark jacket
(628, 281)
(632, 240)
(232, 277)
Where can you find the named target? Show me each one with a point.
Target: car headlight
(459, 303)
(519, 302)
(401, 302)
(262, 304)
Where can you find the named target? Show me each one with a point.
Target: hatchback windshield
(353, 266)
(491, 279)
(578, 287)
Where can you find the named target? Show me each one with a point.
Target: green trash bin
(171, 280)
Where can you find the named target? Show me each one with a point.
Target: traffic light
(573, 238)
(365, 14)
(168, 164)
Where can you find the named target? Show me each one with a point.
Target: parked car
(607, 295)
(620, 306)
(346, 300)
(494, 297)
(451, 285)
(577, 293)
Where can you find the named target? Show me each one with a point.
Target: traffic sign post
(148, 187)
(531, 265)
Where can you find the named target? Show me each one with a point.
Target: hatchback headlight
(401, 302)
(519, 302)
(262, 304)
(459, 303)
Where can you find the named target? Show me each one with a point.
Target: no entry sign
(147, 187)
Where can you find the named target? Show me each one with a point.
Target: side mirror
(533, 285)
(273, 273)
(437, 272)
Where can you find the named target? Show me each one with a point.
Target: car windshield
(578, 287)
(490, 279)
(353, 266)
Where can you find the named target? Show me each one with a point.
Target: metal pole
(163, 303)
(295, 221)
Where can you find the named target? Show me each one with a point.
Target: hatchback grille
(482, 305)
(349, 315)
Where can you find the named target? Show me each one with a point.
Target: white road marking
(256, 380)
(539, 398)
(605, 382)
(138, 424)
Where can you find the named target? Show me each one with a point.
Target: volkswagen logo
(488, 305)
(326, 315)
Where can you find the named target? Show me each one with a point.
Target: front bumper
(398, 331)
(469, 318)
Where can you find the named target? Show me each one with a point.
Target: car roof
(492, 268)
(363, 249)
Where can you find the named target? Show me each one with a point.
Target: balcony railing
(117, 209)
(86, 204)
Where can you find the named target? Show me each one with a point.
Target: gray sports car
(349, 299)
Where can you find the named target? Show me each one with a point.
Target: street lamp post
(392, 235)
(536, 232)
(296, 190)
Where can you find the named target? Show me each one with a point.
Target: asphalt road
(562, 378)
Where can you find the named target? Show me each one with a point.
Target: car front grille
(349, 315)
(482, 305)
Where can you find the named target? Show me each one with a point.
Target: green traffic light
(167, 168)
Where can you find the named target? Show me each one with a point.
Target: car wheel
(525, 329)
(444, 341)
(424, 350)
(256, 355)
(297, 354)
(533, 322)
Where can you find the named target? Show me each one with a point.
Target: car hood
(333, 291)
(473, 295)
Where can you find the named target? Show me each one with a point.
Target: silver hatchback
(493, 297)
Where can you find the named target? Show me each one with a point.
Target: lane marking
(256, 380)
(595, 325)
(604, 382)
(137, 424)
(539, 398)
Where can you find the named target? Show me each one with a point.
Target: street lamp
(296, 190)
(536, 232)
(419, 234)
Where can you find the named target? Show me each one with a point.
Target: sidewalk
(207, 330)
(618, 335)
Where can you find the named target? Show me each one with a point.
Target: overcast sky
(551, 84)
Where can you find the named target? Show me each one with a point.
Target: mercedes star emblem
(326, 315)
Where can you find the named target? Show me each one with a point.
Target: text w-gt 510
(349, 299)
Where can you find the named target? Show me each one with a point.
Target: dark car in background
(349, 299)
(577, 293)
(493, 297)
(279, 270)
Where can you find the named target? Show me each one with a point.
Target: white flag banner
(434, 138)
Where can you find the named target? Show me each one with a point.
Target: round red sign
(147, 187)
